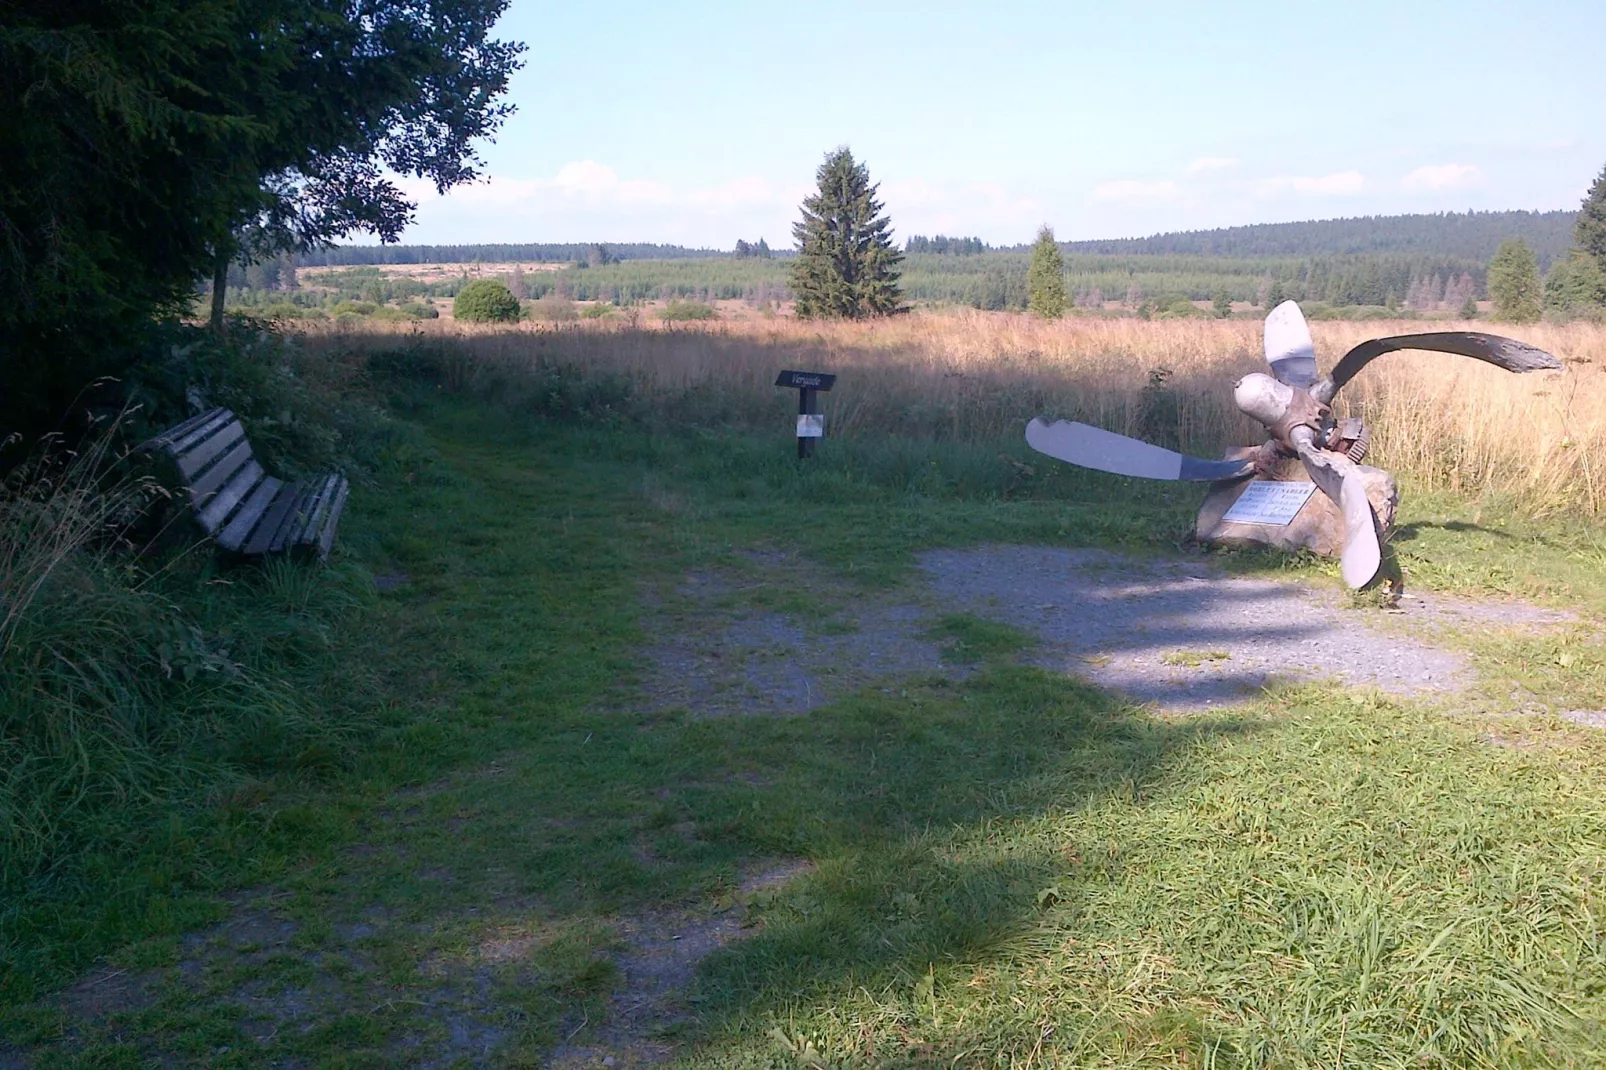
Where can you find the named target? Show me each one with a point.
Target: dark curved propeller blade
(1340, 479)
(1106, 451)
(1507, 353)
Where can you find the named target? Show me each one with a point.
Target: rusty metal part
(1303, 411)
(1265, 458)
(1359, 444)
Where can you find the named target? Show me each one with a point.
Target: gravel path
(1177, 634)
(1181, 635)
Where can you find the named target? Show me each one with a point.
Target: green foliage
(147, 142)
(1045, 278)
(677, 311)
(1462, 235)
(846, 265)
(1221, 303)
(759, 250)
(1590, 232)
(485, 301)
(943, 245)
(1514, 282)
(1576, 285)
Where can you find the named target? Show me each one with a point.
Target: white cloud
(1337, 184)
(1210, 163)
(1128, 189)
(1442, 176)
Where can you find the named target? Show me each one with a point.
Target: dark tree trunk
(220, 285)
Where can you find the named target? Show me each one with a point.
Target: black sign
(805, 380)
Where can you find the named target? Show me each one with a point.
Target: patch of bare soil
(716, 655)
(658, 966)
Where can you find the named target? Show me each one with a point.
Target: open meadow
(612, 735)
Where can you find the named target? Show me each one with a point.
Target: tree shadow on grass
(927, 812)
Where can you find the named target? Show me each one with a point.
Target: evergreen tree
(1222, 303)
(1576, 285)
(846, 264)
(1514, 282)
(1590, 231)
(1275, 294)
(1045, 279)
(762, 250)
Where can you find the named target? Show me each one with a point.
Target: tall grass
(128, 695)
(1442, 422)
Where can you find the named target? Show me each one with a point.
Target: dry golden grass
(1442, 422)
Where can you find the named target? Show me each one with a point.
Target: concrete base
(1318, 527)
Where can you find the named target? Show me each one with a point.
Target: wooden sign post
(810, 422)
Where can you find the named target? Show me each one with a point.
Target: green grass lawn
(1002, 869)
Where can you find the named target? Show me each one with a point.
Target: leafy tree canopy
(146, 142)
(846, 264)
(1514, 282)
(485, 301)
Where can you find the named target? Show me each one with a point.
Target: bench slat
(281, 514)
(219, 474)
(332, 517)
(197, 458)
(178, 439)
(318, 511)
(233, 493)
(245, 521)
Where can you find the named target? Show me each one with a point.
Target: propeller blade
(1289, 349)
(1106, 451)
(1341, 480)
(1507, 353)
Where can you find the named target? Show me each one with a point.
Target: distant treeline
(1468, 235)
(549, 252)
(946, 246)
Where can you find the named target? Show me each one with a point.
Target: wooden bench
(237, 503)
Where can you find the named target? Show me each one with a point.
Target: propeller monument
(1294, 405)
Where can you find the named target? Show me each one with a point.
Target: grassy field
(1009, 869)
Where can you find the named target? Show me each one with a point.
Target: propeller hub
(1263, 398)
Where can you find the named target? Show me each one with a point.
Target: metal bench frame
(246, 510)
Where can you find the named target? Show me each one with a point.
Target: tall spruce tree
(1590, 231)
(846, 264)
(1514, 282)
(1045, 279)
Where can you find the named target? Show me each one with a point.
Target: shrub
(687, 310)
(552, 307)
(596, 311)
(485, 301)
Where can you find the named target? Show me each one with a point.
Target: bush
(485, 301)
(596, 311)
(687, 310)
(553, 308)
(1576, 286)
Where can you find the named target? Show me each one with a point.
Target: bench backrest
(214, 460)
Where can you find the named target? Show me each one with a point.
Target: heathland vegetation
(429, 802)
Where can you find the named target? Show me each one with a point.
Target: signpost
(810, 421)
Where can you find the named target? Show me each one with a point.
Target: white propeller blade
(1289, 349)
(1341, 480)
(1106, 451)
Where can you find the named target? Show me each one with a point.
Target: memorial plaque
(811, 425)
(1271, 502)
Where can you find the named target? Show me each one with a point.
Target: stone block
(1318, 526)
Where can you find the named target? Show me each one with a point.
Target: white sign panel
(811, 425)
(1270, 502)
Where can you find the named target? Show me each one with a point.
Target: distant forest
(548, 252)
(1459, 236)
(1464, 235)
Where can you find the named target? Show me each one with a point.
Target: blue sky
(703, 123)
